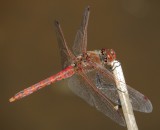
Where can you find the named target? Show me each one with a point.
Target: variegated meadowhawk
(89, 76)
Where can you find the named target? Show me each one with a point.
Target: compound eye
(111, 55)
(112, 52)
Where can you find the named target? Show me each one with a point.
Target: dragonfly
(89, 76)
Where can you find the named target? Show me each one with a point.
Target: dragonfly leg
(113, 68)
(119, 106)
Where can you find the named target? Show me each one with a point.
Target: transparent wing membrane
(80, 43)
(108, 87)
(66, 54)
(89, 93)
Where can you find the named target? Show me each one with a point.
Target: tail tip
(12, 99)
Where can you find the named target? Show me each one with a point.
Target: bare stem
(123, 95)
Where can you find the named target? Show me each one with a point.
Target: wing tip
(88, 8)
(149, 107)
(56, 22)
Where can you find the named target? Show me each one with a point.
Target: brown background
(29, 53)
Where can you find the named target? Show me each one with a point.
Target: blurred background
(29, 53)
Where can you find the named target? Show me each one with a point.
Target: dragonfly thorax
(103, 56)
(80, 61)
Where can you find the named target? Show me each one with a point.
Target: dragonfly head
(108, 55)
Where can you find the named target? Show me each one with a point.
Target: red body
(67, 72)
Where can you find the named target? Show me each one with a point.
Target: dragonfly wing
(80, 43)
(81, 88)
(108, 87)
(139, 101)
(65, 53)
